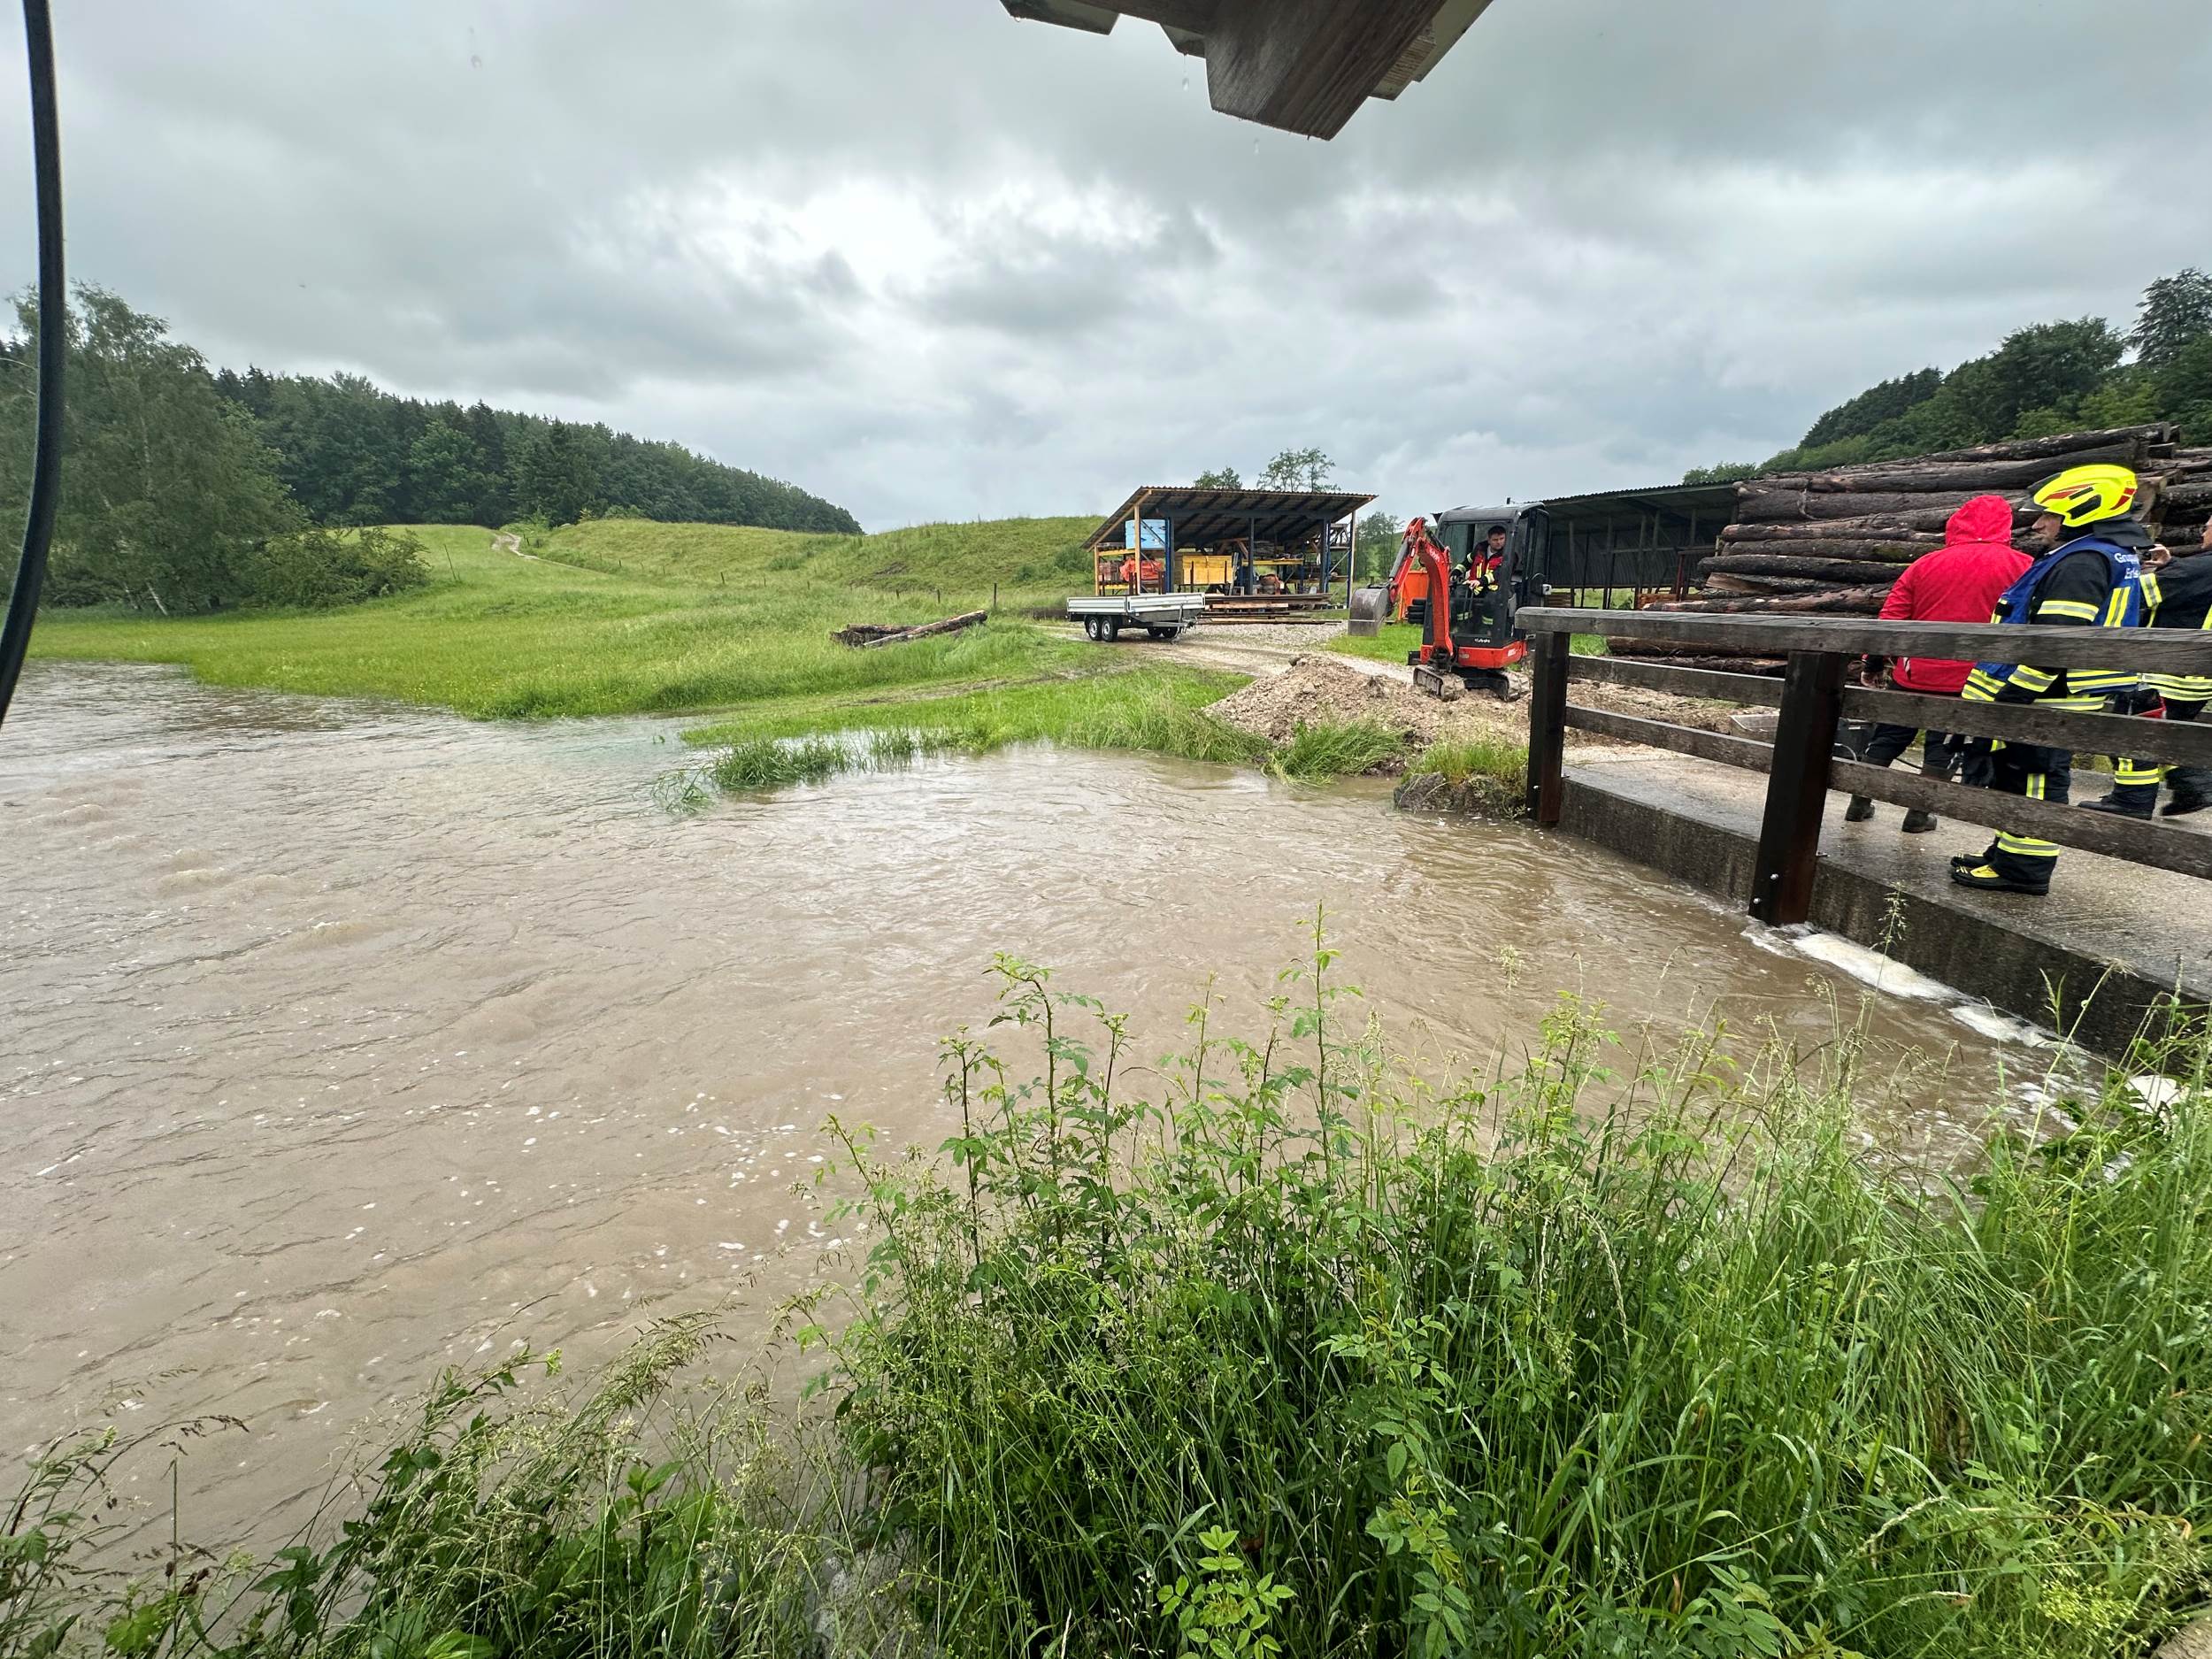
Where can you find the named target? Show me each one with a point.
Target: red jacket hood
(1984, 518)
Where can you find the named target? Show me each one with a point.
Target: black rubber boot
(1860, 810)
(2128, 801)
(1919, 822)
(1988, 878)
(2192, 787)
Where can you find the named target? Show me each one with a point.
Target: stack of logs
(1832, 543)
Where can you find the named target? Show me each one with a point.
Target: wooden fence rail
(1812, 701)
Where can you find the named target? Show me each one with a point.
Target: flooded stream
(342, 1039)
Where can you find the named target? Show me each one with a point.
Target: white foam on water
(1871, 967)
(1998, 1026)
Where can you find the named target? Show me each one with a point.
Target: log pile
(1833, 542)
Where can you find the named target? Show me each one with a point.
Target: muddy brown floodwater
(343, 1040)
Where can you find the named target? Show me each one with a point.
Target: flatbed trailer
(1161, 616)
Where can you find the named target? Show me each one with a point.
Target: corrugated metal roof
(1417, 44)
(1681, 497)
(1204, 516)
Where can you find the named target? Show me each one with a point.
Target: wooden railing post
(1797, 788)
(1548, 725)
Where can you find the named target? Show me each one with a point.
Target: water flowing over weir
(343, 1040)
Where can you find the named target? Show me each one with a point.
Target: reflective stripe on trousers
(2035, 773)
(2135, 781)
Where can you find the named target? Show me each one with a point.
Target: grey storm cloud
(931, 262)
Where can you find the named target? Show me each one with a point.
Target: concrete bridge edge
(2101, 1006)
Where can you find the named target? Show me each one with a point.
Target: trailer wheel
(1091, 626)
(1112, 625)
(1161, 634)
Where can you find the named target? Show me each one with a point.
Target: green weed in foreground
(1566, 1363)
(1267, 1351)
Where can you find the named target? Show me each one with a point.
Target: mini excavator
(1468, 639)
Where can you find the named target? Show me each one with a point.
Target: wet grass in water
(1270, 1349)
(1336, 749)
(1157, 711)
(764, 764)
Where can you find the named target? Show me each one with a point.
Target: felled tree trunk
(1958, 478)
(1759, 503)
(1840, 601)
(867, 635)
(2065, 443)
(1836, 573)
(1816, 538)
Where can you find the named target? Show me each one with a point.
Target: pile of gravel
(1317, 690)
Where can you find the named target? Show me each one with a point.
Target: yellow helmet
(2084, 494)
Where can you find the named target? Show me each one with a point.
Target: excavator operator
(1474, 599)
(1485, 562)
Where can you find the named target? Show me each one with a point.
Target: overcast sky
(932, 263)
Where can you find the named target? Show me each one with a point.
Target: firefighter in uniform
(2175, 595)
(2089, 578)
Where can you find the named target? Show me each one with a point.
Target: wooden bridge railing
(1814, 700)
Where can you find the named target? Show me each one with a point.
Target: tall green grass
(1608, 1352)
(1269, 1348)
(1464, 760)
(1324, 749)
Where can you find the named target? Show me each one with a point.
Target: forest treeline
(186, 487)
(353, 454)
(2042, 380)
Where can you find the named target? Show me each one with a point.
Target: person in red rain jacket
(1959, 582)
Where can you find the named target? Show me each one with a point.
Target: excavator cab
(1470, 640)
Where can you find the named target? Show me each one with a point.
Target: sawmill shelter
(1166, 539)
(1628, 543)
(1302, 68)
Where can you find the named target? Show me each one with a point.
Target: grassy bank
(627, 617)
(624, 616)
(1487, 776)
(1268, 1349)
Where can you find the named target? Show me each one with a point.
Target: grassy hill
(627, 617)
(1029, 560)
